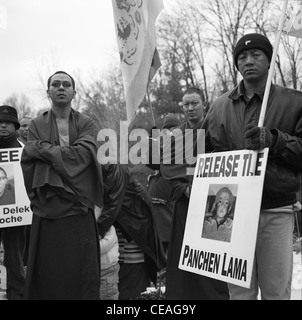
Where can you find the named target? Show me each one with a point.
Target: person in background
(109, 265)
(115, 179)
(64, 183)
(159, 190)
(23, 130)
(232, 124)
(13, 238)
(141, 253)
(183, 285)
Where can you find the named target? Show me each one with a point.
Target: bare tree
(182, 51)
(21, 103)
(224, 21)
(103, 99)
(199, 37)
(175, 52)
(293, 49)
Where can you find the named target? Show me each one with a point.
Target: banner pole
(273, 65)
(269, 81)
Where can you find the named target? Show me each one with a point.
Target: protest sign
(223, 215)
(14, 202)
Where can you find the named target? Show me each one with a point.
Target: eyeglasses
(3, 178)
(57, 84)
(194, 104)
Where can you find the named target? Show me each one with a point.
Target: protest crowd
(99, 233)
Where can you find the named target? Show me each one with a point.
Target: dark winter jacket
(10, 141)
(115, 179)
(136, 221)
(177, 171)
(226, 124)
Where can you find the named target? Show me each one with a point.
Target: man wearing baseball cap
(13, 238)
(232, 124)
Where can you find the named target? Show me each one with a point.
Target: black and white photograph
(220, 212)
(133, 132)
(7, 185)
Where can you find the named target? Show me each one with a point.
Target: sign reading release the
(14, 202)
(223, 215)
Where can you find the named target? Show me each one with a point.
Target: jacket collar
(239, 92)
(8, 141)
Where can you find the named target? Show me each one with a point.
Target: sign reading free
(14, 202)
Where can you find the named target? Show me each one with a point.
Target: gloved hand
(258, 138)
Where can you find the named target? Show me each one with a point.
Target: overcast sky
(37, 36)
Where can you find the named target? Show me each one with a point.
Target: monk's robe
(63, 183)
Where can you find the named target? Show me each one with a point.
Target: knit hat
(171, 121)
(253, 41)
(10, 114)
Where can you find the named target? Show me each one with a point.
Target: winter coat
(226, 124)
(136, 222)
(115, 179)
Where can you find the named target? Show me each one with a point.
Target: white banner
(14, 202)
(223, 215)
(136, 37)
(294, 26)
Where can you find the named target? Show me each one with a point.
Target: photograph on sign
(220, 212)
(7, 185)
(14, 202)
